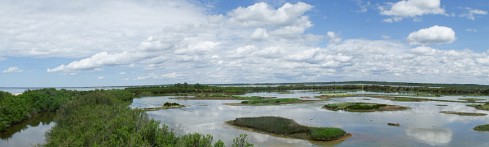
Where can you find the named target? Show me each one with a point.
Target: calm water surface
(28, 133)
(423, 125)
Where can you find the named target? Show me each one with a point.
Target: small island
(463, 113)
(266, 102)
(166, 105)
(363, 107)
(484, 106)
(289, 128)
(482, 128)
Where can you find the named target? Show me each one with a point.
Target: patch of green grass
(482, 127)
(272, 101)
(288, 127)
(325, 134)
(250, 97)
(363, 107)
(407, 99)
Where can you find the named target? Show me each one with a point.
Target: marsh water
(28, 133)
(422, 125)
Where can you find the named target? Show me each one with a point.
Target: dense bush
(103, 118)
(14, 109)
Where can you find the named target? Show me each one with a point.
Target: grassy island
(480, 107)
(266, 102)
(166, 105)
(289, 128)
(463, 113)
(363, 107)
(482, 127)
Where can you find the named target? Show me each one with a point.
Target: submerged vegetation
(463, 113)
(363, 107)
(289, 128)
(482, 127)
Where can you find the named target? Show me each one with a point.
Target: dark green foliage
(272, 101)
(14, 109)
(168, 104)
(363, 107)
(271, 124)
(102, 118)
(482, 127)
(326, 133)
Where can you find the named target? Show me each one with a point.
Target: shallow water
(422, 125)
(28, 133)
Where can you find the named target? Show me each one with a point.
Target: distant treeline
(435, 89)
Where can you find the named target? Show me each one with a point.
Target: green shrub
(326, 134)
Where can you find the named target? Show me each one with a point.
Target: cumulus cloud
(12, 70)
(434, 34)
(100, 59)
(78, 29)
(250, 44)
(471, 13)
(410, 9)
(333, 37)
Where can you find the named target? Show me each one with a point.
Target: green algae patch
(463, 113)
(289, 128)
(482, 128)
(363, 107)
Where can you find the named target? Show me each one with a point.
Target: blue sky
(130, 42)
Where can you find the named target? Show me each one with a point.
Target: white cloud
(12, 70)
(122, 73)
(434, 34)
(100, 78)
(410, 9)
(471, 13)
(262, 14)
(56, 28)
(100, 59)
(245, 46)
(333, 37)
(259, 34)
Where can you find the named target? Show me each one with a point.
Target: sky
(73, 43)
